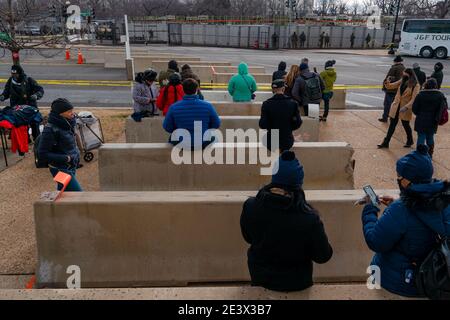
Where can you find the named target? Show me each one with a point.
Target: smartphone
(372, 195)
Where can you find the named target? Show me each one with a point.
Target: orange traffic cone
(67, 54)
(80, 57)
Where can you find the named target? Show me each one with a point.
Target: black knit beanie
(61, 105)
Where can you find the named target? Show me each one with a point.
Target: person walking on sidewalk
(280, 113)
(428, 107)
(242, 86)
(58, 145)
(438, 74)
(329, 78)
(401, 108)
(393, 76)
(294, 72)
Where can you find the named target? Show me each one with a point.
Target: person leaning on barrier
(406, 232)
(58, 144)
(281, 113)
(145, 94)
(286, 234)
(184, 113)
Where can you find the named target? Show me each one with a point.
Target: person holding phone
(405, 233)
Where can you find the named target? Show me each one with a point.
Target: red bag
(444, 115)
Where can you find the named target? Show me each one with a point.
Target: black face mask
(437, 68)
(405, 78)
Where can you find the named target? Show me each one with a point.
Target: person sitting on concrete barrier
(185, 114)
(438, 74)
(406, 232)
(242, 86)
(170, 94)
(280, 112)
(286, 234)
(281, 72)
(58, 144)
(187, 73)
(329, 78)
(294, 72)
(145, 94)
(308, 88)
(163, 78)
(428, 107)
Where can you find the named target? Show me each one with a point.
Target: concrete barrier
(237, 108)
(150, 130)
(149, 167)
(206, 73)
(142, 63)
(224, 100)
(225, 78)
(320, 291)
(161, 64)
(122, 239)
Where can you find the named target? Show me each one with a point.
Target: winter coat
(188, 74)
(174, 94)
(329, 77)
(184, 113)
(421, 76)
(286, 236)
(59, 142)
(439, 76)
(19, 93)
(242, 85)
(282, 113)
(163, 78)
(428, 107)
(403, 100)
(281, 73)
(141, 95)
(299, 90)
(400, 239)
(396, 74)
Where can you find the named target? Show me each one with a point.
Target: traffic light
(93, 13)
(392, 10)
(53, 11)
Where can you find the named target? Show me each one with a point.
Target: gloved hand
(2, 98)
(33, 97)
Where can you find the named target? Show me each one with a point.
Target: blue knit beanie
(290, 171)
(417, 166)
(303, 66)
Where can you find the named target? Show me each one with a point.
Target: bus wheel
(441, 53)
(426, 52)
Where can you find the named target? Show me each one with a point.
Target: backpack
(38, 161)
(313, 91)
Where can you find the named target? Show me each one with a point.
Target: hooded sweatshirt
(242, 85)
(403, 237)
(438, 75)
(329, 77)
(281, 72)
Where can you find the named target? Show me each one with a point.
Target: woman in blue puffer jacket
(406, 232)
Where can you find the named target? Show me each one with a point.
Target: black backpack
(38, 160)
(313, 91)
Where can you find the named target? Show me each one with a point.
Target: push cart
(89, 134)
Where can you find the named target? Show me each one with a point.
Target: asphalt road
(352, 70)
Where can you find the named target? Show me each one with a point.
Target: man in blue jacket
(58, 144)
(185, 113)
(406, 232)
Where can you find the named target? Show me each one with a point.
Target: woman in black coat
(428, 108)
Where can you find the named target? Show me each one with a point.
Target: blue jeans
(425, 137)
(388, 99)
(326, 101)
(73, 185)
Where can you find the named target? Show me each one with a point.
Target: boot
(384, 145)
(409, 144)
(431, 150)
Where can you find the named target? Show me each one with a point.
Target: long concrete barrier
(161, 64)
(158, 167)
(353, 291)
(150, 130)
(115, 60)
(206, 72)
(223, 98)
(142, 63)
(225, 77)
(126, 239)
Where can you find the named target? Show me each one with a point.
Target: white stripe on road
(366, 95)
(359, 104)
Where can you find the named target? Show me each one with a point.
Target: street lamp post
(391, 50)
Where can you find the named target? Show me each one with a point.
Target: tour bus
(427, 38)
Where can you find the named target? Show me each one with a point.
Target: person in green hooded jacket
(242, 86)
(329, 78)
